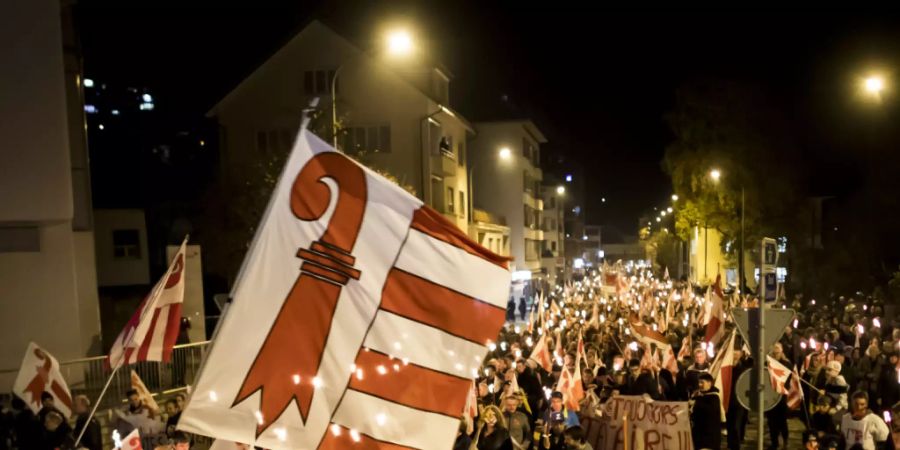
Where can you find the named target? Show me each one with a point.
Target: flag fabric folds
(151, 332)
(359, 318)
(715, 327)
(721, 369)
(40, 373)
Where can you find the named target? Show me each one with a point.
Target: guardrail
(88, 375)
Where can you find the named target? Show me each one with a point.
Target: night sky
(597, 82)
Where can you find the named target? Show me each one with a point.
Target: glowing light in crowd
(860, 329)
(795, 323)
(335, 429)
(602, 318)
(812, 343)
(865, 307)
(280, 433)
(296, 379)
(633, 346)
(528, 341)
(491, 388)
(213, 396)
(826, 346)
(492, 346)
(803, 345)
(117, 438)
(887, 416)
(503, 346)
(710, 350)
(517, 329)
(876, 322)
(518, 354)
(813, 302)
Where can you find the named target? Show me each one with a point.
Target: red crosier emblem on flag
(292, 351)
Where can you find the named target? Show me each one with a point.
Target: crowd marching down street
(550, 377)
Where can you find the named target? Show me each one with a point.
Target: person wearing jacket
(641, 381)
(492, 433)
(517, 422)
(862, 426)
(91, 440)
(835, 385)
(706, 415)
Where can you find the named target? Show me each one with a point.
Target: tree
(737, 129)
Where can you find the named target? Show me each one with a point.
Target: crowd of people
(49, 429)
(843, 350)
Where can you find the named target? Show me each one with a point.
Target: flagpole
(119, 361)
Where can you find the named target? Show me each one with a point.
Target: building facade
(48, 281)
(394, 116)
(553, 258)
(506, 176)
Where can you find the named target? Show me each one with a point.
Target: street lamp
(715, 174)
(560, 190)
(674, 197)
(398, 43)
(505, 153)
(874, 84)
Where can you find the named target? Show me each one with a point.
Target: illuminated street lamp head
(874, 84)
(674, 197)
(560, 190)
(658, 219)
(663, 213)
(715, 174)
(505, 153)
(399, 43)
(669, 209)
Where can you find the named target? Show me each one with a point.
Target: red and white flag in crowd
(685, 347)
(570, 386)
(795, 393)
(541, 353)
(715, 327)
(40, 373)
(358, 320)
(146, 397)
(721, 370)
(778, 375)
(470, 412)
(151, 332)
(132, 441)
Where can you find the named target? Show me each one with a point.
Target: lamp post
(715, 174)
(561, 225)
(399, 43)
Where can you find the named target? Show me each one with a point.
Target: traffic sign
(775, 320)
(743, 393)
(771, 286)
(767, 279)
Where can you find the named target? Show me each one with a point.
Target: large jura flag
(40, 373)
(358, 320)
(151, 332)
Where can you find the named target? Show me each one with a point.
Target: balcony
(480, 215)
(443, 164)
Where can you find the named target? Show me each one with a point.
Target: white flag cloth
(151, 332)
(347, 291)
(144, 393)
(132, 441)
(40, 373)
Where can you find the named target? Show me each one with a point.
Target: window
(481, 237)
(553, 246)
(450, 199)
(462, 204)
(318, 82)
(126, 244)
(531, 249)
(371, 139)
(446, 146)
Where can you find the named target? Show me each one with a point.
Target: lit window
(147, 98)
(90, 109)
(146, 107)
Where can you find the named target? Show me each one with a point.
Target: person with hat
(706, 414)
(557, 411)
(835, 385)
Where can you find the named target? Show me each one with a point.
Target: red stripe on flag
(410, 385)
(432, 304)
(434, 224)
(173, 326)
(712, 328)
(148, 338)
(343, 441)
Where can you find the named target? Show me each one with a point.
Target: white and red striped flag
(715, 327)
(358, 319)
(40, 373)
(786, 382)
(541, 353)
(721, 370)
(470, 411)
(151, 332)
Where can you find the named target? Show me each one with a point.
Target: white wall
(47, 294)
(35, 178)
(112, 271)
